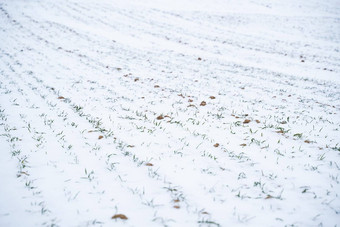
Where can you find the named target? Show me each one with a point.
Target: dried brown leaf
(160, 117)
(203, 103)
(246, 121)
(269, 197)
(119, 216)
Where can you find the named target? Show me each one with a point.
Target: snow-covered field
(169, 113)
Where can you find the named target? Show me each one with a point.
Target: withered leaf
(257, 121)
(61, 97)
(203, 103)
(100, 137)
(269, 197)
(177, 207)
(148, 164)
(243, 144)
(212, 97)
(246, 121)
(160, 117)
(119, 216)
(216, 145)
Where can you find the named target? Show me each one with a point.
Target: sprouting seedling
(89, 175)
(322, 157)
(299, 135)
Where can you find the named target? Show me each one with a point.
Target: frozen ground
(178, 113)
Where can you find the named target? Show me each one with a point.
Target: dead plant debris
(119, 216)
(246, 121)
(160, 117)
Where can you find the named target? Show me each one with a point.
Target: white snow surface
(170, 112)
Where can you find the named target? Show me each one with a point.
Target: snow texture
(169, 113)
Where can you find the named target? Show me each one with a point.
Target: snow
(172, 113)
